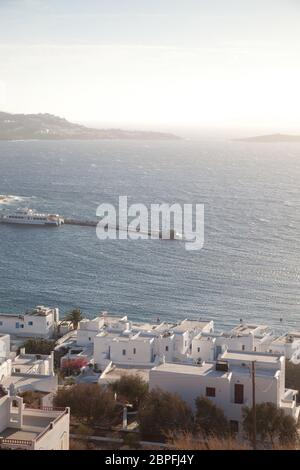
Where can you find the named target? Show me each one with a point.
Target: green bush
(39, 346)
(131, 389)
(209, 419)
(90, 402)
(162, 413)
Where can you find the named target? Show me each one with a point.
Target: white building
(40, 322)
(4, 346)
(88, 329)
(29, 372)
(124, 342)
(287, 344)
(228, 382)
(109, 338)
(5, 361)
(262, 335)
(25, 428)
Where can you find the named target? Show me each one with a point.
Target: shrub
(130, 388)
(271, 424)
(39, 346)
(73, 366)
(187, 441)
(161, 413)
(89, 402)
(210, 420)
(292, 376)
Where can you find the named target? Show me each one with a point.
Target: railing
(50, 426)
(15, 442)
(45, 408)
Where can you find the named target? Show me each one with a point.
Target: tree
(73, 366)
(39, 346)
(90, 402)
(209, 419)
(162, 413)
(271, 424)
(130, 388)
(75, 316)
(292, 376)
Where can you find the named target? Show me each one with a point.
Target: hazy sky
(206, 63)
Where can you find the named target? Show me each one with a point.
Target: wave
(10, 198)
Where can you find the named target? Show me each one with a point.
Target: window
(17, 325)
(21, 326)
(238, 393)
(30, 323)
(90, 339)
(255, 348)
(198, 349)
(243, 347)
(1, 323)
(234, 426)
(124, 352)
(167, 348)
(210, 391)
(134, 350)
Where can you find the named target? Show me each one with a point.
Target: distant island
(49, 127)
(272, 138)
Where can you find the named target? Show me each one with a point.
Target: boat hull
(36, 223)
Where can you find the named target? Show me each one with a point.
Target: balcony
(35, 424)
(288, 403)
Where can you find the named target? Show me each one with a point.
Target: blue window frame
(17, 325)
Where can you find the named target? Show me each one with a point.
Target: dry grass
(188, 442)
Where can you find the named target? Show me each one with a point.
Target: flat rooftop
(191, 325)
(190, 369)
(112, 318)
(115, 334)
(136, 337)
(34, 422)
(34, 312)
(22, 380)
(250, 328)
(117, 372)
(29, 359)
(19, 434)
(145, 326)
(251, 356)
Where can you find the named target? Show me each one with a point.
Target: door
(239, 393)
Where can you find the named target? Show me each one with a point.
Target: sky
(153, 63)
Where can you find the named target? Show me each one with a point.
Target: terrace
(26, 427)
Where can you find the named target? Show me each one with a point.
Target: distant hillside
(50, 127)
(272, 138)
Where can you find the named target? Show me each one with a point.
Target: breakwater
(94, 223)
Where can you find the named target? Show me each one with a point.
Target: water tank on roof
(222, 366)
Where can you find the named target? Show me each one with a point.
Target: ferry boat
(31, 217)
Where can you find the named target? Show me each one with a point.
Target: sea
(248, 268)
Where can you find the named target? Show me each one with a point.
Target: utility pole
(253, 405)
